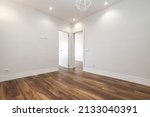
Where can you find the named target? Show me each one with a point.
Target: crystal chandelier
(82, 5)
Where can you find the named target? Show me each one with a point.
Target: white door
(79, 46)
(63, 49)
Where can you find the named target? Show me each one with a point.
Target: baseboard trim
(27, 74)
(129, 78)
(71, 67)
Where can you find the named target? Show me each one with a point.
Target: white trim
(129, 78)
(26, 74)
(71, 67)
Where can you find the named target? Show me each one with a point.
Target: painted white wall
(28, 41)
(79, 46)
(117, 41)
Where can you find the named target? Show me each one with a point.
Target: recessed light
(74, 19)
(50, 8)
(106, 3)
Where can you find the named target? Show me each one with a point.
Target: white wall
(28, 41)
(117, 41)
(79, 46)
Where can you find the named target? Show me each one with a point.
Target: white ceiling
(65, 9)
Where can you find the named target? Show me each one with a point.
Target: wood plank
(10, 90)
(1, 92)
(27, 92)
(39, 87)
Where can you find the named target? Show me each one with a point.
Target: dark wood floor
(72, 84)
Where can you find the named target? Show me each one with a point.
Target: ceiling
(65, 9)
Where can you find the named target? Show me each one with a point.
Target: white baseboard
(26, 74)
(129, 78)
(71, 67)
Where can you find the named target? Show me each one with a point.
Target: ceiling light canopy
(106, 3)
(74, 19)
(50, 8)
(82, 5)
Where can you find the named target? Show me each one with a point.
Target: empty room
(74, 49)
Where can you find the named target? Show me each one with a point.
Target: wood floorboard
(40, 88)
(72, 84)
(1, 91)
(112, 82)
(83, 85)
(26, 90)
(10, 90)
(70, 89)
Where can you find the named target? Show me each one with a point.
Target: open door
(63, 49)
(79, 47)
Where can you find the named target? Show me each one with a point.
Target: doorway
(79, 47)
(63, 49)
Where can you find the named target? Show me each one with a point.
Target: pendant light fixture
(82, 5)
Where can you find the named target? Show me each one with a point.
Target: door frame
(73, 47)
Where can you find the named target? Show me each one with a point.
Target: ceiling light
(50, 8)
(82, 5)
(106, 3)
(74, 19)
